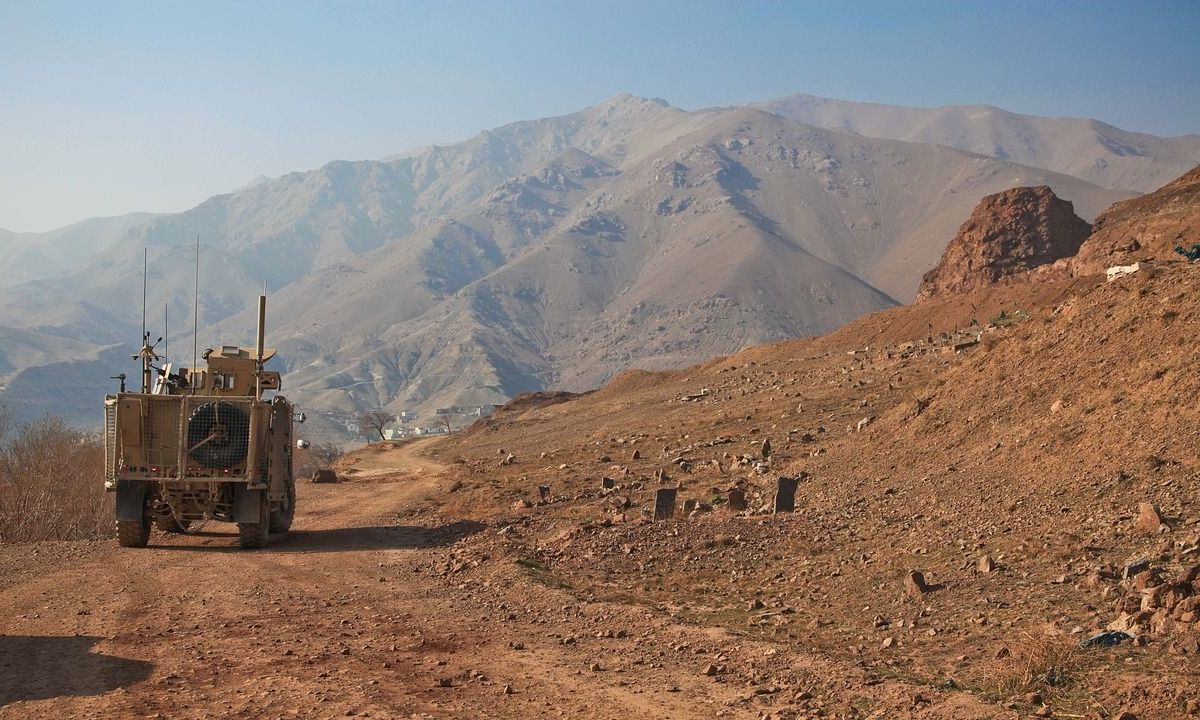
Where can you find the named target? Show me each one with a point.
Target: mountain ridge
(547, 252)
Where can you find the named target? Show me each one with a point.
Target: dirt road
(357, 612)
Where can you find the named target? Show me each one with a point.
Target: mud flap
(247, 504)
(131, 499)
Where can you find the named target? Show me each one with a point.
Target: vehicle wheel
(282, 516)
(168, 524)
(133, 533)
(252, 536)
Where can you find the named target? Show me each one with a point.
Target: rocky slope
(1011, 472)
(1087, 149)
(1145, 228)
(1008, 233)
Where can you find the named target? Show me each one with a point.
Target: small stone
(1149, 520)
(756, 604)
(915, 585)
(710, 670)
(888, 642)
(595, 667)
(507, 690)
(986, 564)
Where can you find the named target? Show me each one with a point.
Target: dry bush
(1046, 665)
(316, 457)
(51, 483)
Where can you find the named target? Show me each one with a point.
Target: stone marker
(664, 503)
(915, 584)
(737, 500)
(1149, 520)
(785, 494)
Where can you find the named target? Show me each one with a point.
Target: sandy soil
(357, 612)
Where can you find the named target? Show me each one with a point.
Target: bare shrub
(317, 457)
(52, 484)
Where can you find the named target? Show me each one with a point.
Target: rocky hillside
(1145, 228)
(1008, 233)
(969, 512)
(1089, 149)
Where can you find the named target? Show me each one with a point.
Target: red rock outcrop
(1008, 233)
(1144, 228)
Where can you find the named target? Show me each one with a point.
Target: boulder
(1008, 233)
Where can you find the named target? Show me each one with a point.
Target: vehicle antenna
(166, 335)
(195, 319)
(145, 265)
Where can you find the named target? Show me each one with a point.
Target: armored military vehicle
(202, 444)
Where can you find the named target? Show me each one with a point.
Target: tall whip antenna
(145, 265)
(166, 335)
(195, 316)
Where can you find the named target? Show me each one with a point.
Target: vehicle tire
(133, 533)
(282, 516)
(252, 536)
(219, 434)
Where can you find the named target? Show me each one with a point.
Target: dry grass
(1049, 666)
(51, 483)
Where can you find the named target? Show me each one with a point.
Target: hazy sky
(110, 107)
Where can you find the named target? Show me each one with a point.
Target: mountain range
(549, 253)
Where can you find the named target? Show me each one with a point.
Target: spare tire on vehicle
(218, 434)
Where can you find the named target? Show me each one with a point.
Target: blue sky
(111, 107)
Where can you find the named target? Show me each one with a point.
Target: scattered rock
(915, 585)
(1149, 520)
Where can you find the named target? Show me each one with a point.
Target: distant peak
(260, 180)
(634, 101)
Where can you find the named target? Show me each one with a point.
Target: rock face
(1008, 233)
(1145, 228)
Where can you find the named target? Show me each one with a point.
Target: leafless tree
(316, 457)
(325, 454)
(374, 421)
